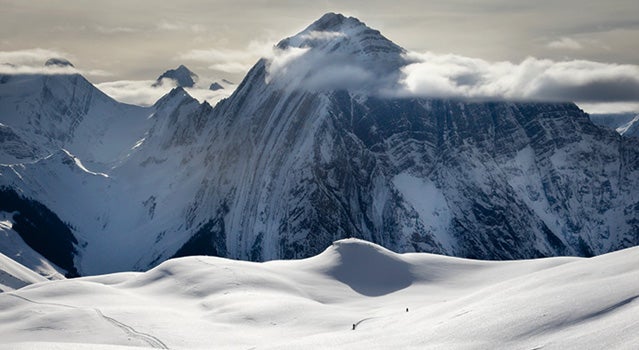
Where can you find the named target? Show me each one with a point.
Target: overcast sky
(137, 40)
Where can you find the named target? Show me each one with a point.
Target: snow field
(209, 302)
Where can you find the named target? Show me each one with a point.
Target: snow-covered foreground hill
(394, 301)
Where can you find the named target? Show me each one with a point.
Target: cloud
(143, 93)
(180, 26)
(609, 108)
(231, 67)
(322, 35)
(115, 30)
(10, 69)
(279, 62)
(434, 75)
(32, 61)
(230, 60)
(305, 68)
(29, 57)
(565, 43)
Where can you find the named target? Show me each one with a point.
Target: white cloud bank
(29, 56)
(143, 93)
(565, 43)
(230, 60)
(434, 75)
(595, 86)
(31, 61)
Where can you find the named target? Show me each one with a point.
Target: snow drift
(415, 300)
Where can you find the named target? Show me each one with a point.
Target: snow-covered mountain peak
(335, 33)
(182, 76)
(337, 53)
(176, 94)
(58, 62)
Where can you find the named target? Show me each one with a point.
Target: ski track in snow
(128, 330)
(356, 324)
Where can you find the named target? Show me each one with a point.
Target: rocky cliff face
(493, 180)
(316, 145)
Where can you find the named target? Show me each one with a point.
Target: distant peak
(58, 62)
(182, 76)
(216, 86)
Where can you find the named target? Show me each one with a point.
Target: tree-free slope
(394, 301)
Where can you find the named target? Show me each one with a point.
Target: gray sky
(138, 40)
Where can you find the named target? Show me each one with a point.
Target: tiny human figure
(353, 326)
(406, 309)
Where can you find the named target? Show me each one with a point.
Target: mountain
(182, 76)
(314, 145)
(58, 62)
(354, 295)
(40, 114)
(81, 216)
(222, 85)
(311, 161)
(216, 86)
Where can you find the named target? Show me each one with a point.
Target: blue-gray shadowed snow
(302, 154)
(369, 269)
(182, 77)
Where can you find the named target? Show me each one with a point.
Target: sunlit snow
(393, 301)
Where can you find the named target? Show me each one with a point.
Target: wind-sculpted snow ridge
(413, 300)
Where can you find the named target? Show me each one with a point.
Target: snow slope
(415, 300)
(14, 248)
(14, 275)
